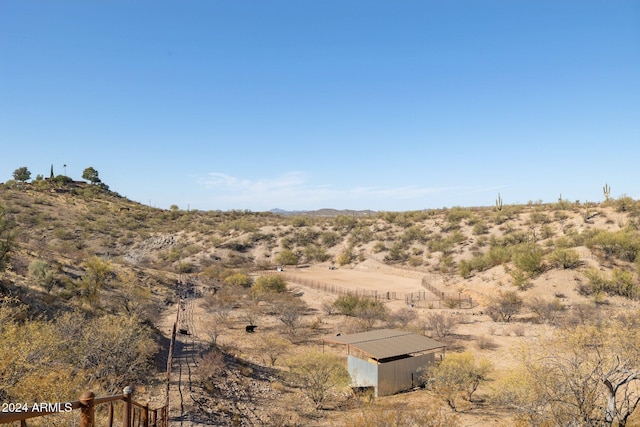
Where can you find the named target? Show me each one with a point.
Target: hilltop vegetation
(81, 262)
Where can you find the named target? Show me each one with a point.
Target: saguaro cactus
(499, 202)
(607, 191)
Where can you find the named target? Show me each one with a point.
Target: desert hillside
(91, 282)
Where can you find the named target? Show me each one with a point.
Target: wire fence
(431, 297)
(336, 289)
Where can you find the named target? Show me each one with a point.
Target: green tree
(91, 175)
(366, 310)
(239, 280)
(22, 174)
(458, 376)
(269, 285)
(318, 375)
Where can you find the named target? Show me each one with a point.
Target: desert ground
(192, 406)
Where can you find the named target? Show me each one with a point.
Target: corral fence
(433, 297)
(337, 290)
(134, 414)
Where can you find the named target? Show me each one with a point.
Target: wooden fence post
(145, 415)
(110, 415)
(126, 412)
(87, 416)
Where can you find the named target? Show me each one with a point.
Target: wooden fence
(433, 297)
(335, 289)
(134, 414)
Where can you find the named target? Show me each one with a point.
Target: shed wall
(391, 377)
(402, 374)
(362, 372)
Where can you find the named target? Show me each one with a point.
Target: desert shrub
(238, 280)
(539, 218)
(347, 304)
(43, 274)
(360, 234)
(345, 223)
(114, 350)
(457, 214)
(564, 258)
(379, 247)
(458, 376)
(185, 267)
(319, 375)
(315, 252)
(596, 283)
(413, 233)
(623, 244)
(300, 221)
(305, 236)
(505, 306)
(581, 314)
(625, 204)
(520, 279)
(38, 367)
(346, 256)
(486, 343)
(528, 258)
(397, 253)
(365, 309)
(271, 347)
(63, 233)
(621, 283)
(480, 228)
(269, 285)
(329, 238)
(287, 257)
(496, 255)
(415, 261)
(402, 317)
(38, 269)
(546, 231)
(244, 225)
(380, 414)
(389, 217)
(465, 268)
(438, 243)
(440, 324)
(545, 311)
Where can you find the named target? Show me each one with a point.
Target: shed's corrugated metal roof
(367, 336)
(385, 343)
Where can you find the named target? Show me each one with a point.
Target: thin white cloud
(293, 191)
(227, 183)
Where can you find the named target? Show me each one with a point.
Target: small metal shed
(388, 360)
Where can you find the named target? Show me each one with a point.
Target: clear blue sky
(294, 104)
